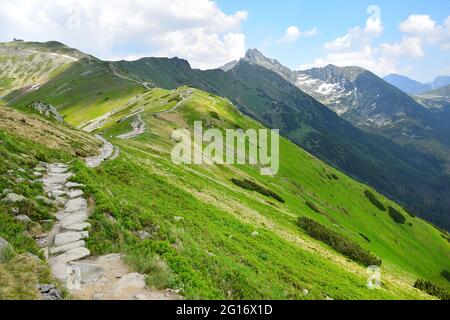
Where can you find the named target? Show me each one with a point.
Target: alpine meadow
(166, 161)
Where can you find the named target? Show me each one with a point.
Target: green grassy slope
(28, 65)
(412, 177)
(203, 225)
(24, 141)
(409, 175)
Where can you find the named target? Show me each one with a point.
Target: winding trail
(65, 243)
(85, 277)
(107, 151)
(184, 97)
(138, 128)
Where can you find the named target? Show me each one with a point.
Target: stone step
(75, 194)
(77, 204)
(67, 219)
(69, 237)
(71, 255)
(71, 185)
(77, 226)
(67, 247)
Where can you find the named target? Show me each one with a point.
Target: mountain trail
(138, 128)
(85, 277)
(107, 151)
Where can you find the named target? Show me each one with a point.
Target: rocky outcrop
(49, 292)
(5, 249)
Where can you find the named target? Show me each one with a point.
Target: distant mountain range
(414, 87)
(367, 101)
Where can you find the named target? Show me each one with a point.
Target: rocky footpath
(65, 243)
(107, 151)
(86, 277)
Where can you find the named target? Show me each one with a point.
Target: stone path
(106, 152)
(138, 126)
(85, 277)
(65, 243)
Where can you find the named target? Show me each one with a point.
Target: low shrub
(338, 242)
(373, 199)
(252, 186)
(313, 206)
(446, 274)
(214, 114)
(432, 289)
(155, 268)
(365, 237)
(396, 215)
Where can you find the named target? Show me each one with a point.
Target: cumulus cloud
(427, 30)
(193, 29)
(293, 33)
(358, 46)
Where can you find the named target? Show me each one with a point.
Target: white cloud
(358, 46)
(293, 33)
(427, 30)
(355, 48)
(407, 47)
(193, 29)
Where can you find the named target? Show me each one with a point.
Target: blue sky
(410, 37)
(268, 20)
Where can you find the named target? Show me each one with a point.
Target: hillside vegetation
(210, 231)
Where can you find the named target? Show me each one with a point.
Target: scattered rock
(6, 191)
(49, 292)
(15, 211)
(143, 235)
(177, 218)
(255, 233)
(5, 249)
(305, 292)
(13, 198)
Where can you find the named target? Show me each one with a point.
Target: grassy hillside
(410, 175)
(24, 141)
(224, 232)
(407, 175)
(223, 241)
(28, 65)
